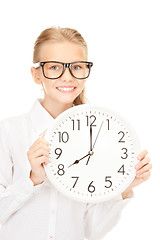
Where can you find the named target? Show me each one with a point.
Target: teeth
(66, 89)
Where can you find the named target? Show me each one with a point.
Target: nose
(67, 77)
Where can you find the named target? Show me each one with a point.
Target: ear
(35, 75)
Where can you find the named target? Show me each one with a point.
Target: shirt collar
(41, 118)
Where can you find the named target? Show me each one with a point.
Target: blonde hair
(56, 35)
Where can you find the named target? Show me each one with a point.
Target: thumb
(43, 134)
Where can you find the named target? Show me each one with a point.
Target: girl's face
(54, 90)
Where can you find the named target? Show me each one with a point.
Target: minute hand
(94, 142)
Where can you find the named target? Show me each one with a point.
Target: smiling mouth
(65, 89)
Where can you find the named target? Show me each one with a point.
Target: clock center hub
(91, 153)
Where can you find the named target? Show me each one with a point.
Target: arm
(13, 194)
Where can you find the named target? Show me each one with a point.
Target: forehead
(62, 51)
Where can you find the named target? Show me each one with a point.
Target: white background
(124, 44)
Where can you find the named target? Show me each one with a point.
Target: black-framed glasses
(54, 69)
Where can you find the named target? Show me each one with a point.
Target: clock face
(93, 152)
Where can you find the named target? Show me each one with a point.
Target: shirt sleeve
(13, 194)
(102, 217)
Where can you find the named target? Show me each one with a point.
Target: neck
(55, 108)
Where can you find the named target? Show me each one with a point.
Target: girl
(30, 207)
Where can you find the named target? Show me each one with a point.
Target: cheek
(82, 84)
(48, 85)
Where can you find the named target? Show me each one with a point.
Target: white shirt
(40, 212)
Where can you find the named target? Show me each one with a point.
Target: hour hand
(88, 160)
(77, 161)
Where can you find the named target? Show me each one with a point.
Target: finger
(39, 142)
(41, 145)
(42, 160)
(43, 134)
(45, 160)
(40, 152)
(142, 163)
(42, 139)
(142, 154)
(144, 176)
(37, 162)
(144, 169)
(46, 163)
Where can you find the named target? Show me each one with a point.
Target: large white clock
(93, 152)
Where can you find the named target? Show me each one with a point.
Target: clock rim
(137, 148)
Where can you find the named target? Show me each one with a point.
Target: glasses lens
(80, 70)
(53, 69)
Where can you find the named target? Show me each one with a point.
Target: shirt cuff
(123, 202)
(23, 187)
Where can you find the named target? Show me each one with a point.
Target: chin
(67, 100)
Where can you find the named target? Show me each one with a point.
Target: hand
(38, 155)
(143, 168)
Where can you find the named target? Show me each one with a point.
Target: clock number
(63, 137)
(121, 137)
(58, 151)
(61, 170)
(91, 121)
(125, 153)
(75, 181)
(74, 124)
(91, 188)
(109, 182)
(121, 170)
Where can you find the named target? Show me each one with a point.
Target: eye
(76, 67)
(54, 67)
